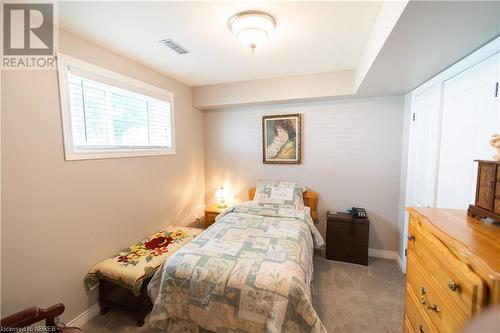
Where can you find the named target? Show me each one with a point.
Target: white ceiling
(311, 37)
(411, 56)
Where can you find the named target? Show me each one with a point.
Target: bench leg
(143, 312)
(104, 308)
(140, 322)
(111, 295)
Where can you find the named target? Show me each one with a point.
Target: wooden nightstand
(211, 213)
(347, 238)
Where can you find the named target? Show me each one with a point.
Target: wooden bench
(124, 277)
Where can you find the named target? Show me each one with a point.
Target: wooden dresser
(453, 269)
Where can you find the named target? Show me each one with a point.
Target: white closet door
(425, 138)
(470, 117)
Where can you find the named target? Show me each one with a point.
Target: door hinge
(496, 89)
(406, 252)
(413, 116)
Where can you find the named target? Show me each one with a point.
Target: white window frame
(64, 63)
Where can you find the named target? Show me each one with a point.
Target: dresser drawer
(408, 326)
(460, 285)
(431, 300)
(418, 321)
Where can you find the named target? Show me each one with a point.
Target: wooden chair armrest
(22, 318)
(33, 315)
(51, 313)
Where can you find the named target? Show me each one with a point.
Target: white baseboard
(386, 255)
(85, 316)
(382, 254)
(400, 263)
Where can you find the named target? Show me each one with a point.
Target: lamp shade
(220, 197)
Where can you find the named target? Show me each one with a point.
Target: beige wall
(351, 157)
(59, 218)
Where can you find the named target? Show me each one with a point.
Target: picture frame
(282, 139)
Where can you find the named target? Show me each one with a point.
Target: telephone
(359, 213)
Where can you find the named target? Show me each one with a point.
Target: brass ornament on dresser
(487, 203)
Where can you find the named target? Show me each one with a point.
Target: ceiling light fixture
(252, 27)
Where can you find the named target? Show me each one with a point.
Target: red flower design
(158, 242)
(159, 251)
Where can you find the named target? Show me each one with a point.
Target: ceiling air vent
(174, 46)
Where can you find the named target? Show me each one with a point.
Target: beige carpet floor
(348, 298)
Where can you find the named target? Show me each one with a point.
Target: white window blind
(107, 119)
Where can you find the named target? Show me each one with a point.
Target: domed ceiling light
(252, 27)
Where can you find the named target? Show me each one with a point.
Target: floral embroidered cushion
(131, 266)
(283, 193)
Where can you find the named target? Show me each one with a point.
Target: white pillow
(279, 192)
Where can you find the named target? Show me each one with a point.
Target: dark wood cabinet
(487, 203)
(347, 238)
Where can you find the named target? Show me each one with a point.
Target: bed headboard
(310, 200)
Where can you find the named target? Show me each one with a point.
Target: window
(107, 115)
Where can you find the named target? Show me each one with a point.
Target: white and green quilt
(251, 271)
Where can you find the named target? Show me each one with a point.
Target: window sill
(100, 154)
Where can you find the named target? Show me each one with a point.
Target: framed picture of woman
(282, 139)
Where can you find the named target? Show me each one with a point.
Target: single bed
(251, 271)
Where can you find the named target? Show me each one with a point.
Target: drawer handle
(424, 301)
(453, 285)
(421, 328)
(411, 238)
(433, 307)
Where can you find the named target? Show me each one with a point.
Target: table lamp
(220, 197)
